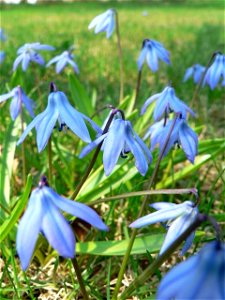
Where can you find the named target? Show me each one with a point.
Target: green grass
(191, 32)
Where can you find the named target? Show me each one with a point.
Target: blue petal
(113, 145)
(77, 209)
(71, 116)
(74, 65)
(54, 60)
(189, 141)
(25, 61)
(36, 57)
(17, 62)
(29, 104)
(61, 65)
(141, 58)
(188, 243)
(29, 228)
(57, 230)
(148, 102)
(110, 28)
(178, 279)
(188, 74)
(91, 146)
(162, 205)
(7, 96)
(15, 107)
(152, 59)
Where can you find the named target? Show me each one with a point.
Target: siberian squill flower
(2, 56)
(62, 60)
(215, 72)
(167, 102)
(104, 22)
(43, 215)
(182, 135)
(152, 51)
(201, 276)
(2, 35)
(28, 53)
(196, 71)
(118, 141)
(178, 217)
(60, 109)
(18, 98)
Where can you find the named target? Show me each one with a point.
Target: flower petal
(29, 227)
(15, 107)
(87, 149)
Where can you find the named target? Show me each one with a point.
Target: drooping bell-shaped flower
(201, 276)
(215, 72)
(62, 60)
(196, 71)
(152, 51)
(18, 98)
(179, 218)
(60, 109)
(28, 53)
(43, 215)
(167, 102)
(104, 22)
(182, 135)
(118, 141)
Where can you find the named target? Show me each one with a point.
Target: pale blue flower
(118, 141)
(28, 53)
(196, 71)
(2, 35)
(201, 276)
(152, 51)
(18, 98)
(60, 109)
(104, 22)
(215, 72)
(62, 60)
(182, 135)
(2, 56)
(43, 215)
(167, 102)
(179, 218)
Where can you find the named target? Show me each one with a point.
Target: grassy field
(191, 32)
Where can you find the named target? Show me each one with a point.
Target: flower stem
(50, 161)
(120, 57)
(93, 160)
(79, 278)
(198, 86)
(134, 232)
(161, 258)
(138, 86)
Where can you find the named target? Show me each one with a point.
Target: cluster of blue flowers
(116, 140)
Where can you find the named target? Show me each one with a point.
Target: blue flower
(182, 135)
(196, 71)
(60, 109)
(62, 60)
(215, 72)
(28, 53)
(2, 56)
(152, 51)
(18, 98)
(2, 35)
(43, 215)
(179, 217)
(104, 22)
(167, 102)
(201, 276)
(118, 141)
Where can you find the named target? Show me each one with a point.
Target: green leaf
(7, 226)
(79, 95)
(9, 147)
(151, 243)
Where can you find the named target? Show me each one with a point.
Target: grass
(191, 34)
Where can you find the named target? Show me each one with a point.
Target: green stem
(134, 233)
(198, 86)
(138, 86)
(50, 161)
(79, 278)
(164, 256)
(120, 57)
(93, 160)
(23, 144)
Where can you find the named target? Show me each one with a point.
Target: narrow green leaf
(7, 226)
(150, 242)
(6, 165)
(79, 95)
